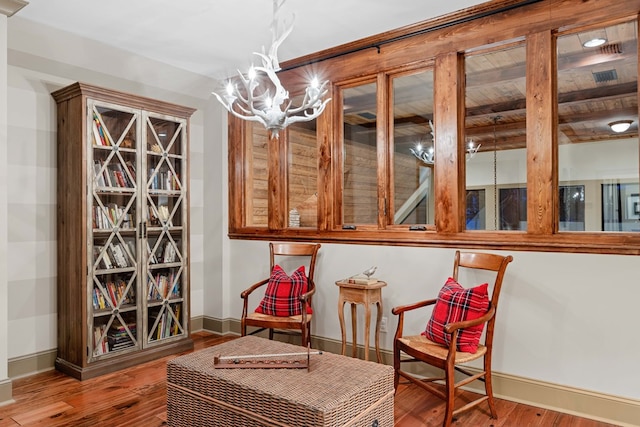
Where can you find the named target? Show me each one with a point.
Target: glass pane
(620, 207)
(413, 201)
(495, 135)
(166, 211)
(360, 186)
(257, 176)
(475, 212)
(571, 208)
(303, 175)
(513, 208)
(597, 86)
(114, 218)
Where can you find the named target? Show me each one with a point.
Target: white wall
(567, 319)
(41, 60)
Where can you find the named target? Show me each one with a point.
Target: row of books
(166, 325)
(164, 180)
(117, 338)
(164, 253)
(106, 217)
(100, 136)
(114, 174)
(114, 255)
(163, 286)
(169, 253)
(117, 292)
(159, 216)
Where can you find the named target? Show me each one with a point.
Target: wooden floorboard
(136, 397)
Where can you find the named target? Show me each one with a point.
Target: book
(362, 280)
(99, 177)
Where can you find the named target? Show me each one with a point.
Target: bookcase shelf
(123, 235)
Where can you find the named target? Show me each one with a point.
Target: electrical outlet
(383, 325)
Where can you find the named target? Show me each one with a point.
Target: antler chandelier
(427, 155)
(251, 97)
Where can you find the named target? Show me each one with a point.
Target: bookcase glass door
(165, 164)
(114, 207)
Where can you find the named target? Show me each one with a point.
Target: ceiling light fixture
(427, 155)
(595, 42)
(620, 125)
(254, 98)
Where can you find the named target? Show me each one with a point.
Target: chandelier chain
(495, 174)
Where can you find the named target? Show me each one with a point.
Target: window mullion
(382, 129)
(542, 151)
(449, 126)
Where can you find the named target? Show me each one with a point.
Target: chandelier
(251, 97)
(427, 155)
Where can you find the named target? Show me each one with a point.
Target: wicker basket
(336, 391)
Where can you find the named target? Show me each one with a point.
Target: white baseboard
(6, 390)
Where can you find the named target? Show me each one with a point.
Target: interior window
(302, 160)
(495, 124)
(597, 91)
(413, 148)
(359, 155)
(256, 175)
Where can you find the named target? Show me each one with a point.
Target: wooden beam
(542, 150)
(449, 123)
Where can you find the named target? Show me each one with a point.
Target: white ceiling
(217, 37)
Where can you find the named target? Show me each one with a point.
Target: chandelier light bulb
(252, 73)
(230, 89)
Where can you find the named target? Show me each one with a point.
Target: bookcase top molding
(123, 98)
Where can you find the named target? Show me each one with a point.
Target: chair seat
(261, 317)
(425, 346)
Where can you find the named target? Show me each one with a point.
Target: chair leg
(488, 387)
(243, 327)
(396, 368)
(270, 333)
(450, 391)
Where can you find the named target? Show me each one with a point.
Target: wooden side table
(360, 294)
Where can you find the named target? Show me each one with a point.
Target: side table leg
(367, 328)
(354, 333)
(378, 321)
(342, 328)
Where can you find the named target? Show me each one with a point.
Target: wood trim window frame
(442, 48)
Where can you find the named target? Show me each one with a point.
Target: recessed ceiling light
(620, 125)
(598, 41)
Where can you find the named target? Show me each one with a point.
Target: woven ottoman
(336, 391)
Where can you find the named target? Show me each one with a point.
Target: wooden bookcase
(123, 231)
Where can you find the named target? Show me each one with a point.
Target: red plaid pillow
(281, 297)
(455, 304)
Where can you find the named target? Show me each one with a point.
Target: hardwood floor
(137, 397)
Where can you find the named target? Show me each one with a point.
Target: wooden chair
(420, 349)
(289, 324)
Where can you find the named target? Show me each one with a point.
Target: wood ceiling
(596, 86)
